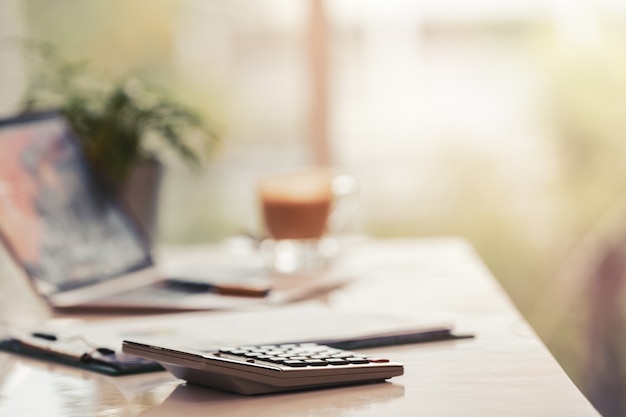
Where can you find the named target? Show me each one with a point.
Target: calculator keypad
(297, 355)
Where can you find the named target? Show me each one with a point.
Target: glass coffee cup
(299, 210)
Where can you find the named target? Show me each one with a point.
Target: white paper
(203, 330)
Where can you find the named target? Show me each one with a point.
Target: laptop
(75, 241)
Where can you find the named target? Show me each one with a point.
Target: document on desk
(91, 345)
(302, 322)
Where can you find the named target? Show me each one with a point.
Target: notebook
(74, 239)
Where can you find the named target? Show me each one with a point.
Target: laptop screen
(56, 218)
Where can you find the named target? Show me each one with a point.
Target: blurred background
(502, 121)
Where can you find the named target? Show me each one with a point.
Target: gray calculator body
(266, 369)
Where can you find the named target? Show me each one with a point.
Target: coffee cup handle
(344, 188)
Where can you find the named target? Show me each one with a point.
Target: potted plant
(125, 125)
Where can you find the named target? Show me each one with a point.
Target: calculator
(264, 369)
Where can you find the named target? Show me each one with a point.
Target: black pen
(393, 338)
(45, 336)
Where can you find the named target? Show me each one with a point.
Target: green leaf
(114, 117)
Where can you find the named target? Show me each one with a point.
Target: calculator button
(378, 360)
(324, 356)
(295, 363)
(357, 361)
(309, 345)
(337, 361)
(288, 346)
(316, 362)
(342, 355)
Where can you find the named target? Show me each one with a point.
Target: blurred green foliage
(115, 118)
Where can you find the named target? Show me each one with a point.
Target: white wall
(12, 77)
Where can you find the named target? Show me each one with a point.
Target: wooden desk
(504, 371)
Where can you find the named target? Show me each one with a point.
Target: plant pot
(140, 192)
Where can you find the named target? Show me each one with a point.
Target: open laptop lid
(57, 219)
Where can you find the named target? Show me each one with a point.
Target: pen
(393, 338)
(45, 336)
(189, 285)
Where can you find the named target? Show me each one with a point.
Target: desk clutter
(97, 346)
